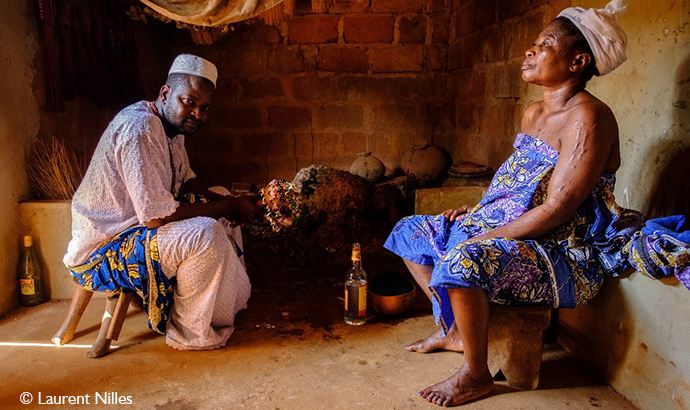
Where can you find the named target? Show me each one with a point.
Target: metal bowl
(392, 294)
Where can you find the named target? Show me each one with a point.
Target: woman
(549, 217)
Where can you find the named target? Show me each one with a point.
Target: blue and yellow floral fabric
(661, 249)
(563, 269)
(129, 262)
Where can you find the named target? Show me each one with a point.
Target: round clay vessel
(368, 167)
(424, 161)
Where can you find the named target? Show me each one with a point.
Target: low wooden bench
(516, 342)
(111, 323)
(516, 334)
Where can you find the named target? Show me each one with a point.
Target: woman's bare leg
(421, 274)
(473, 380)
(436, 340)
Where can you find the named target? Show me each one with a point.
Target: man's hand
(243, 209)
(453, 215)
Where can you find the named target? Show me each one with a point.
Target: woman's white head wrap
(191, 64)
(605, 37)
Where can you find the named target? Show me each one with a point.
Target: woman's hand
(453, 215)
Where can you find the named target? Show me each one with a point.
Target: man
(132, 230)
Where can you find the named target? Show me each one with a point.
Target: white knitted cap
(605, 37)
(191, 64)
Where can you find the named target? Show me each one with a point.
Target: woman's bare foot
(458, 388)
(436, 341)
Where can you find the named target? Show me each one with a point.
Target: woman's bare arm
(584, 152)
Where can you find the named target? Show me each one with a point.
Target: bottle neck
(29, 251)
(356, 264)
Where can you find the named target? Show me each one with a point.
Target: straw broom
(53, 172)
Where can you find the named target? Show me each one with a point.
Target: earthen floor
(311, 361)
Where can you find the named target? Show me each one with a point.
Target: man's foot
(458, 389)
(436, 341)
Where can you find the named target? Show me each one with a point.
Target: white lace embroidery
(127, 182)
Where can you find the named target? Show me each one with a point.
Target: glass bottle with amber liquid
(30, 281)
(356, 290)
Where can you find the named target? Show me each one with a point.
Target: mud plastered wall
(635, 332)
(19, 123)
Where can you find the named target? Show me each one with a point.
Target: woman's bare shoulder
(592, 117)
(589, 108)
(531, 114)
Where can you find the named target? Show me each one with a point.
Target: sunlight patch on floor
(32, 344)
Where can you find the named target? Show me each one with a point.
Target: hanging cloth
(210, 13)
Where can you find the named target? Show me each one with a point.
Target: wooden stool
(111, 324)
(516, 342)
(516, 334)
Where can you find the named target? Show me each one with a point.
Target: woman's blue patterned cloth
(561, 269)
(661, 249)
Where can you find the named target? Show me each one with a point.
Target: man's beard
(179, 126)
(196, 129)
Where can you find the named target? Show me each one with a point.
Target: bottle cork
(28, 241)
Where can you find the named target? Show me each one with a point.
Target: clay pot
(424, 161)
(368, 167)
(469, 174)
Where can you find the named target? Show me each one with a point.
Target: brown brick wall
(487, 41)
(368, 28)
(322, 87)
(316, 28)
(397, 6)
(375, 75)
